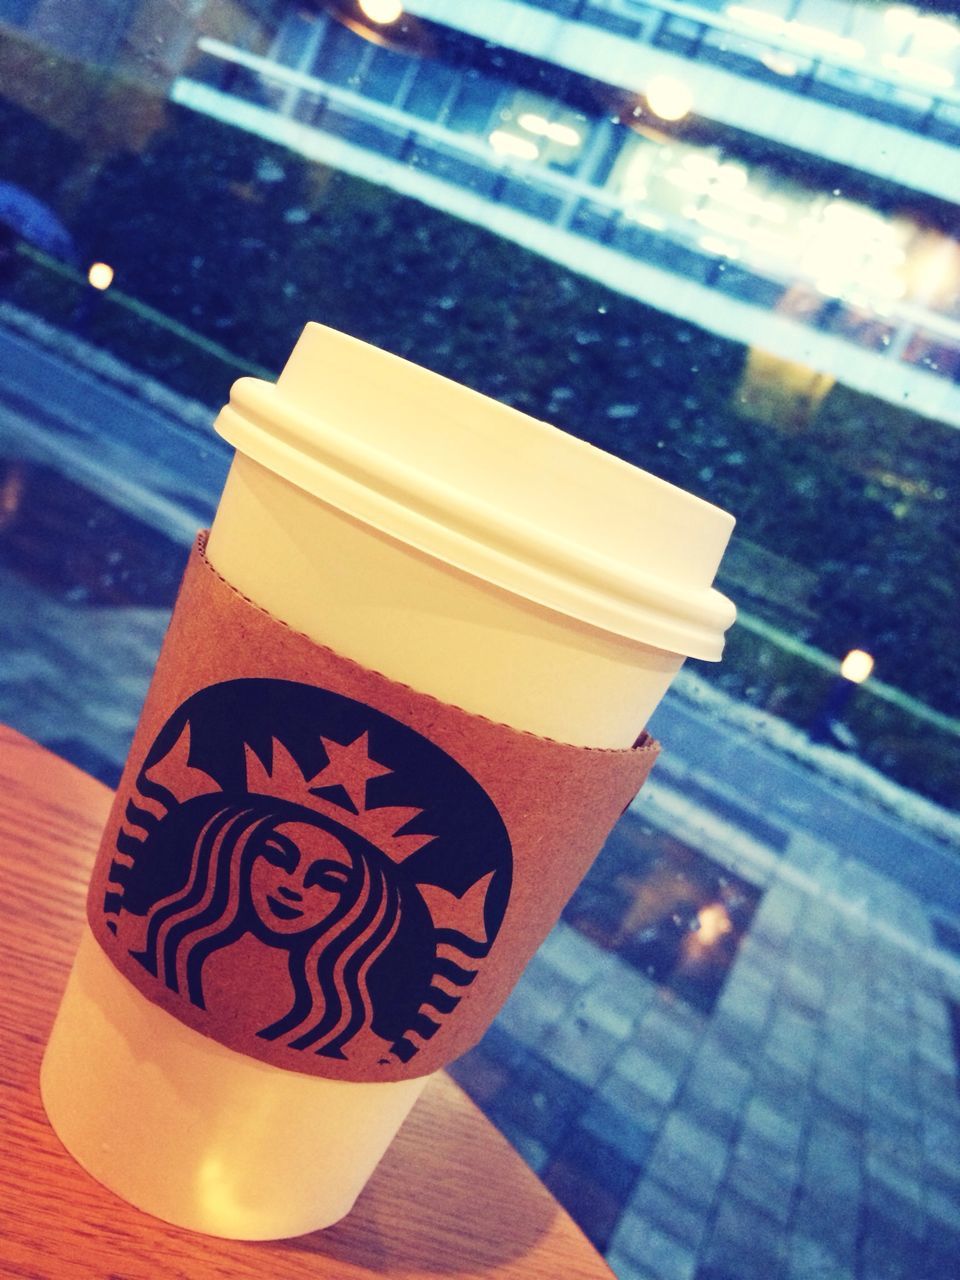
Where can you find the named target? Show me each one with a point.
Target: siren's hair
(329, 966)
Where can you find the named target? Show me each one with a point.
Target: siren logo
(296, 861)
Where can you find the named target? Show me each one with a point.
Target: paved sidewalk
(809, 1126)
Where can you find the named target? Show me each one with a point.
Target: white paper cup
(457, 546)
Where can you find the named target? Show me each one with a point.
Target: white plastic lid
(489, 490)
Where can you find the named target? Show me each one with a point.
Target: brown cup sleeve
(327, 870)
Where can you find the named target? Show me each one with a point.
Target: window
(726, 249)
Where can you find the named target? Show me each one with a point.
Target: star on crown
(338, 790)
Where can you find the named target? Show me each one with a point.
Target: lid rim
(599, 592)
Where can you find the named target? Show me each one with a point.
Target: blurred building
(782, 172)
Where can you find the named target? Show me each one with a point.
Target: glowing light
(100, 275)
(697, 162)
(508, 144)
(828, 41)
(382, 12)
(645, 219)
(856, 666)
(688, 179)
(779, 63)
(796, 32)
(918, 69)
(899, 20)
(756, 18)
(564, 134)
(937, 31)
(732, 175)
(668, 98)
(716, 245)
(713, 923)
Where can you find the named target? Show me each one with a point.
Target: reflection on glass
(720, 240)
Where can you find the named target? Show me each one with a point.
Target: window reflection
(718, 239)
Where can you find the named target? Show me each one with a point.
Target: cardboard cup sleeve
(324, 869)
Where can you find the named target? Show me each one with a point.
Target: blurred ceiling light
(828, 41)
(688, 179)
(563, 134)
(757, 18)
(918, 69)
(749, 202)
(713, 922)
(100, 275)
(381, 11)
(900, 20)
(722, 248)
(646, 219)
(856, 666)
(779, 63)
(724, 221)
(732, 175)
(700, 162)
(668, 98)
(799, 32)
(932, 30)
(508, 144)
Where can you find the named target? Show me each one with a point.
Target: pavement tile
(669, 1025)
(943, 1209)
(821, 1213)
(580, 1049)
(881, 1202)
(942, 1165)
(595, 1208)
(534, 1009)
(779, 1087)
(659, 1252)
(930, 1010)
(882, 1174)
(629, 1098)
(542, 1102)
(708, 1113)
(665, 1208)
(607, 1006)
(718, 1076)
(736, 1037)
(626, 1268)
(766, 1185)
(744, 1244)
(809, 1257)
(699, 1145)
(658, 1079)
(831, 1161)
(694, 1182)
(573, 956)
(629, 1134)
(802, 989)
(888, 1249)
(839, 1085)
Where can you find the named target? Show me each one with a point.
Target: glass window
(717, 240)
(385, 74)
(431, 90)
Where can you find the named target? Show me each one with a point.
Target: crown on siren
(349, 768)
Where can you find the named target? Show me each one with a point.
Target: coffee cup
(459, 548)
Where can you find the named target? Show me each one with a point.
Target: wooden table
(469, 1208)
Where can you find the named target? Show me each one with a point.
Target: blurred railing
(861, 86)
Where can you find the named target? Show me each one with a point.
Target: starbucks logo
(297, 859)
